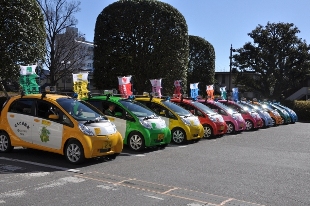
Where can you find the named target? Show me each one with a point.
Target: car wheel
(178, 136)
(207, 131)
(230, 128)
(136, 141)
(74, 152)
(248, 125)
(5, 143)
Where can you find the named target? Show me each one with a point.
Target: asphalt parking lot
(264, 167)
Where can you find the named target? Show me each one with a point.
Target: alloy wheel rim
(73, 153)
(248, 125)
(229, 128)
(178, 136)
(207, 132)
(135, 142)
(4, 142)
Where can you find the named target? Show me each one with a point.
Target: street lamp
(65, 63)
(230, 66)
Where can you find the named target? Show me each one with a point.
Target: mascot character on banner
(235, 94)
(27, 79)
(194, 90)
(156, 87)
(124, 86)
(80, 82)
(223, 93)
(178, 88)
(210, 91)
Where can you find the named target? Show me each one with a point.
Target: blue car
(264, 115)
(292, 113)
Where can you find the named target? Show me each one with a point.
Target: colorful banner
(210, 92)
(27, 79)
(194, 90)
(235, 94)
(178, 88)
(124, 86)
(80, 82)
(223, 93)
(26, 70)
(156, 87)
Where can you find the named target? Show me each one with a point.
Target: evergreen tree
(144, 38)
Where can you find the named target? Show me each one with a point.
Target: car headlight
(212, 119)
(233, 116)
(85, 130)
(146, 124)
(253, 115)
(186, 121)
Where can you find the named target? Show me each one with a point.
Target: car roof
(39, 96)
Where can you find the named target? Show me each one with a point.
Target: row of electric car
(101, 125)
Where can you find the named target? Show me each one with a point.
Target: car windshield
(80, 110)
(204, 108)
(177, 109)
(222, 106)
(137, 108)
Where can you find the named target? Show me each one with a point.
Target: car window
(23, 106)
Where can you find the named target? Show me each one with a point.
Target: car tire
(230, 128)
(248, 125)
(208, 132)
(178, 136)
(74, 152)
(136, 141)
(5, 143)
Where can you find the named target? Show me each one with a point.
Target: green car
(139, 126)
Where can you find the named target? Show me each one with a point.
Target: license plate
(160, 137)
(107, 145)
(222, 128)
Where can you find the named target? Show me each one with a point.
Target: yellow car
(183, 124)
(58, 124)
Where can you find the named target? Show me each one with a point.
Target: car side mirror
(162, 113)
(53, 116)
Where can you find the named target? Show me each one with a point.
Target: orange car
(275, 116)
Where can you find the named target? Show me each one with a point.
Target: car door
(20, 118)
(46, 131)
(119, 121)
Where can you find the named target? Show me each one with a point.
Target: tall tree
(278, 57)
(22, 36)
(144, 38)
(201, 65)
(64, 53)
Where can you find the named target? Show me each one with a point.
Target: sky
(220, 22)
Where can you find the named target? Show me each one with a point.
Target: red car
(213, 123)
(251, 118)
(234, 120)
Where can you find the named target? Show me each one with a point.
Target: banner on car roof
(210, 92)
(27, 79)
(156, 87)
(223, 93)
(178, 88)
(194, 90)
(124, 86)
(235, 94)
(80, 82)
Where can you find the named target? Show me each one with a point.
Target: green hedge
(302, 109)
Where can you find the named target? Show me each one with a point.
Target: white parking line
(39, 164)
